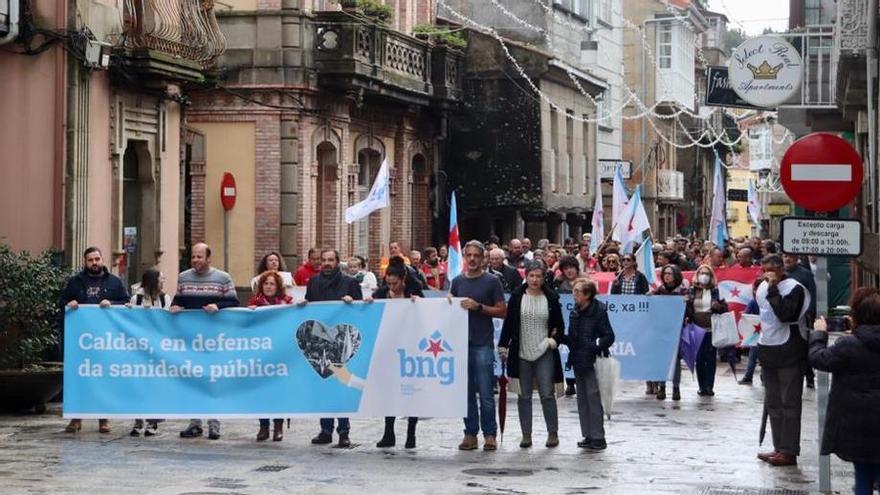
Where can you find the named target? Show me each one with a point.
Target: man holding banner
(484, 300)
(332, 285)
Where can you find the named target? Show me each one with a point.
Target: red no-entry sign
(821, 172)
(227, 191)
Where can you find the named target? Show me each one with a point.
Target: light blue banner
(269, 362)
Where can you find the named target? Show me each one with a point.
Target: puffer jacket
(852, 429)
(589, 334)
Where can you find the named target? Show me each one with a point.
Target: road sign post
(228, 193)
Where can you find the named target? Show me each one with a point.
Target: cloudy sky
(752, 16)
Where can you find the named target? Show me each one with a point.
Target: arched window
(326, 216)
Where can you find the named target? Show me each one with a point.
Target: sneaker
(598, 444)
(344, 441)
(192, 431)
(585, 443)
(322, 439)
(469, 442)
(213, 432)
(489, 444)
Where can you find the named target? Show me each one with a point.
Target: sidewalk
(698, 445)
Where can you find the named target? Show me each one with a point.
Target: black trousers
(783, 393)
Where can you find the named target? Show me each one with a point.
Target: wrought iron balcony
(181, 32)
(352, 53)
(818, 77)
(849, 52)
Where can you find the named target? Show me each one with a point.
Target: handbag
(724, 332)
(607, 374)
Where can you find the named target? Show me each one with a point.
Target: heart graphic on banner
(323, 346)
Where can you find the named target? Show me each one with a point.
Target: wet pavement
(698, 445)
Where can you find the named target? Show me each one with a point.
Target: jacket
(852, 430)
(589, 334)
(111, 289)
(510, 331)
(805, 277)
(642, 285)
(509, 276)
(786, 308)
(715, 296)
(332, 287)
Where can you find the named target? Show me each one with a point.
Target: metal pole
(225, 240)
(822, 382)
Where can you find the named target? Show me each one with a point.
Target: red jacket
(304, 273)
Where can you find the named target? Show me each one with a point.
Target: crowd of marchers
(521, 283)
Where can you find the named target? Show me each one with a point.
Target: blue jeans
(481, 380)
(753, 363)
(327, 426)
(867, 476)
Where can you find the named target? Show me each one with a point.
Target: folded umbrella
(691, 339)
(502, 398)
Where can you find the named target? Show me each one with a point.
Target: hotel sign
(718, 90)
(765, 71)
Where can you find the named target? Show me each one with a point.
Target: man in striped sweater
(209, 289)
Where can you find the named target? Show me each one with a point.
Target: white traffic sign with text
(822, 236)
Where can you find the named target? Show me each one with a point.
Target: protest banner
(386, 358)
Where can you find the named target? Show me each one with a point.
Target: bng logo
(430, 361)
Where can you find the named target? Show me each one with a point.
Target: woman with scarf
(671, 284)
(528, 344)
(270, 292)
(397, 286)
(704, 301)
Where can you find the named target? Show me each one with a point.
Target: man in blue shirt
(484, 300)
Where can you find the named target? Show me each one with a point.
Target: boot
(469, 442)
(552, 440)
(277, 430)
(411, 434)
(650, 389)
(74, 426)
(104, 426)
(661, 392)
(263, 434)
(388, 439)
(676, 393)
(526, 441)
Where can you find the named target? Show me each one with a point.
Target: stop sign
(227, 191)
(821, 172)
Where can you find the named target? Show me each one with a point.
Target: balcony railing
(353, 52)
(184, 29)
(670, 185)
(818, 77)
(849, 51)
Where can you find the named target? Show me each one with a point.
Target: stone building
(308, 104)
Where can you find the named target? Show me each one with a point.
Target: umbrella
(502, 398)
(763, 431)
(691, 340)
(731, 360)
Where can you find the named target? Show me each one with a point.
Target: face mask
(704, 279)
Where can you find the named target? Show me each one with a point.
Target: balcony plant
(375, 10)
(440, 36)
(29, 290)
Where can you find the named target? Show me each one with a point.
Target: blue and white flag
(379, 197)
(619, 202)
(754, 205)
(455, 262)
(598, 223)
(634, 221)
(645, 259)
(718, 220)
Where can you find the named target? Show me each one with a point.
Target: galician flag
(634, 221)
(718, 222)
(598, 223)
(754, 205)
(455, 264)
(378, 197)
(645, 259)
(619, 203)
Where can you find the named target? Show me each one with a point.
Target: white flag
(718, 222)
(634, 221)
(754, 205)
(378, 198)
(619, 203)
(598, 223)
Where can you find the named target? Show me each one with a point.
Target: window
(604, 12)
(569, 151)
(760, 148)
(664, 46)
(579, 7)
(586, 130)
(814, 14)
(554, 148)
(603, 111)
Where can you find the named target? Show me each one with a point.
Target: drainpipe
(13, 23)
(871, 67)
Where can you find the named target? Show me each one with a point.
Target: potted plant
(374, 10)
(30, 287)
(440, 36)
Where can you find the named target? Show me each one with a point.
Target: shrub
(442, 36)
(30, 287)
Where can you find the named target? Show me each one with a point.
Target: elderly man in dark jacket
(589, 334)
(852, 429)
(332, 285)
(509, 276)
